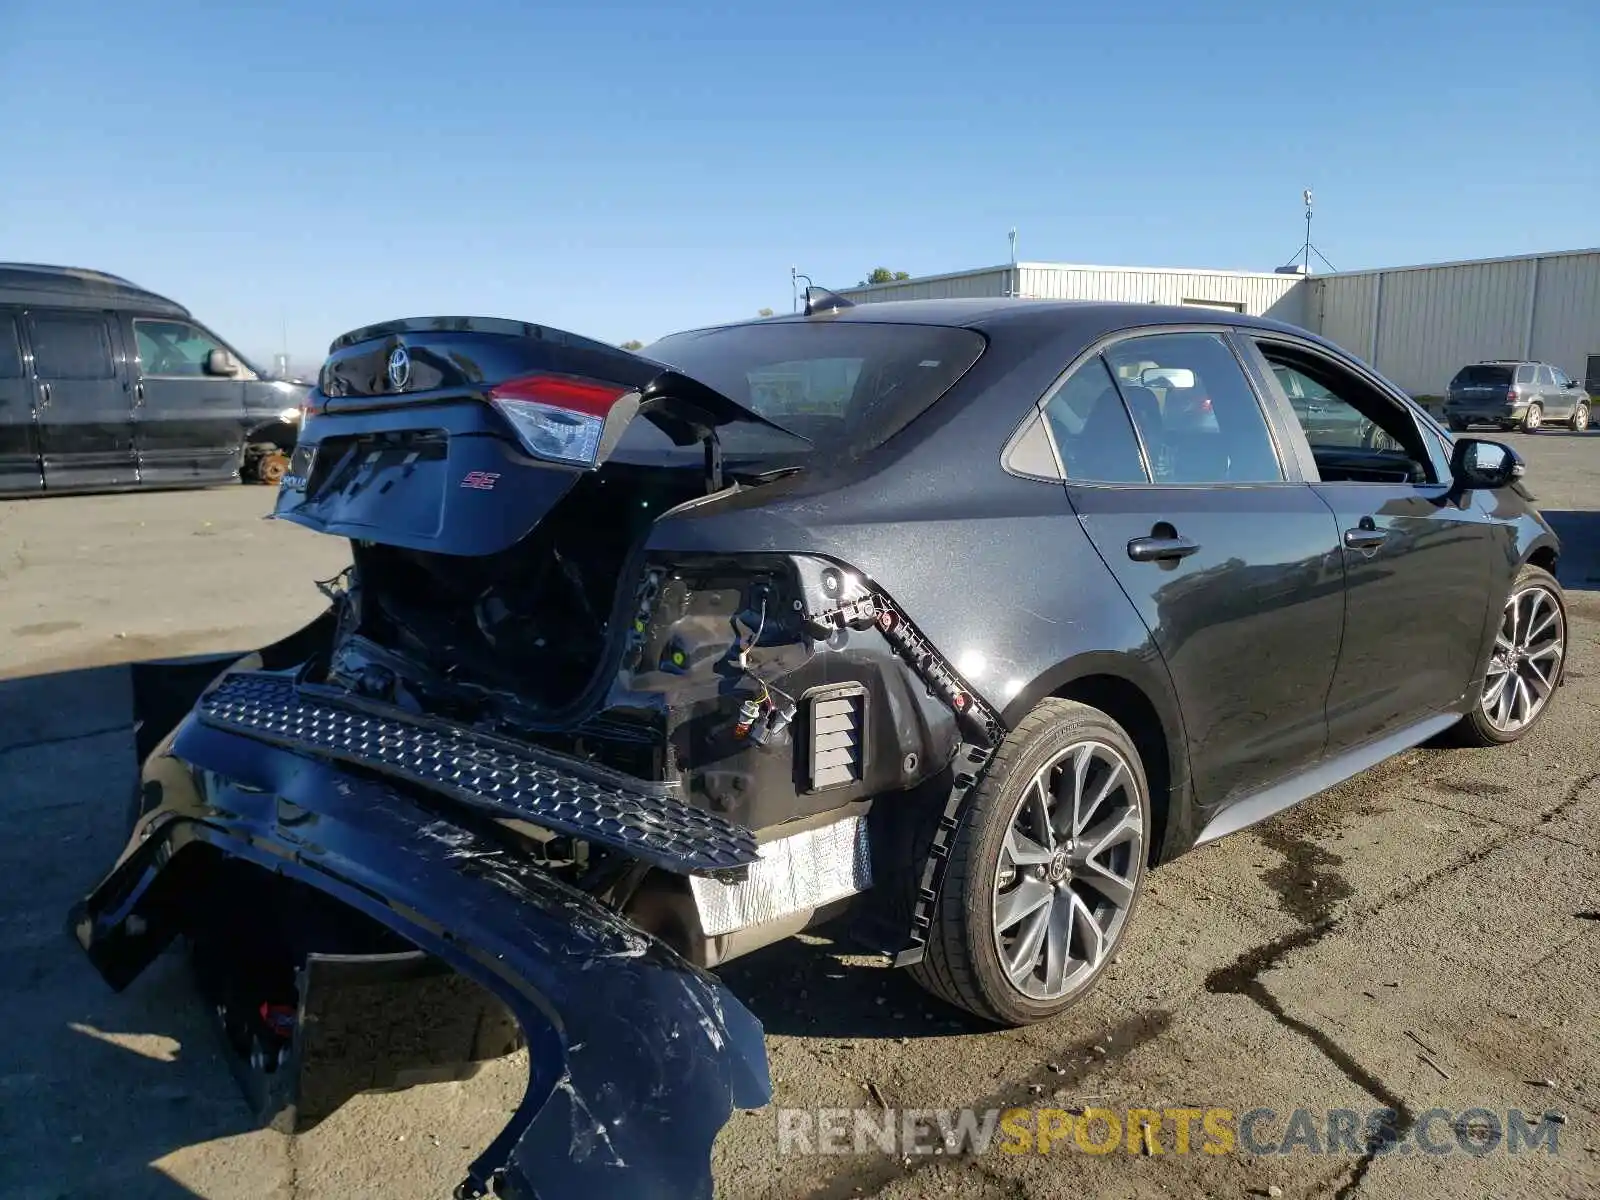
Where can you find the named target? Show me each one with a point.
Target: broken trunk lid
(432, 359)
(416, 419)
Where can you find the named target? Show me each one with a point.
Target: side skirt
(1270, 801)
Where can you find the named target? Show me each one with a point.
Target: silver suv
(1513, 392)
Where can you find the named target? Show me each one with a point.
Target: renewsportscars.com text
(1167, 1130)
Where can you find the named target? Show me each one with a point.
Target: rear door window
(70, 346)
(1197, 415)
(10, 348)
(1546, 379)
(1525, 374)
(1092, 432)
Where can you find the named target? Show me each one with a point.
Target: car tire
(1533, 418)
(1457, 425)
(1061, 754)
(1580, 417)
(1493, 720)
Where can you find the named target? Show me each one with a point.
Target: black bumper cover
(636, 1057)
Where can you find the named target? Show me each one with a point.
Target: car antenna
(821, 300)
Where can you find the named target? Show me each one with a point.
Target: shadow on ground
(1579, 531)
(807, 987)
(94, 1087)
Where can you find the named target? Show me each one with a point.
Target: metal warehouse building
(1417, 325)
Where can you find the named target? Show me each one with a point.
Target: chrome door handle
(1161, 549)
(1365, 537)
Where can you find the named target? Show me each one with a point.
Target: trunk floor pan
(482, 771)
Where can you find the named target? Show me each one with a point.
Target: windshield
(848, 386)
(1482, 377)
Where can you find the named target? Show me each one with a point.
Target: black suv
(950, 619)
(105, 386)
(1509, 393)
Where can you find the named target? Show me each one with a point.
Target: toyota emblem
(399, 368)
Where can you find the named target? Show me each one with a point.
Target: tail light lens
(556, 417)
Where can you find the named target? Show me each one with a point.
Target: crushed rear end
(532, 773)
(353, 935)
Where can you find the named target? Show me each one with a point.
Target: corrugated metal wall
(1345, 313)
(1419, 325)
(994, 282)
(1276, 296)
(1566, 312)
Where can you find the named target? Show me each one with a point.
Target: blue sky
(625, 169)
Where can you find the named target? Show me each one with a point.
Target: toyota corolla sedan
(945, 621)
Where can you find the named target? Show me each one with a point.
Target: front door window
(173, 349)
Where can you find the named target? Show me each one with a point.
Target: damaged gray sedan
(945, 621)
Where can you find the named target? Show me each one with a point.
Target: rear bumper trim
(482, 771)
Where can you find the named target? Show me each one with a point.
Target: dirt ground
(1426, 936)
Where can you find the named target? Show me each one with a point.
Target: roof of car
(997, 312)
(77, 287)
(1023, 322)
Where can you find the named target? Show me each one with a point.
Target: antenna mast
(1307, 249)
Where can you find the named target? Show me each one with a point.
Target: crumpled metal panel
(636, 1058)
(795, 873)
(481, 771)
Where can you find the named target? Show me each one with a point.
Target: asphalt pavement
(1424, 939)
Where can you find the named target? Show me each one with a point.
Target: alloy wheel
(1526, 664)
(1068, 871)
(1580, 418)
(1533, 419)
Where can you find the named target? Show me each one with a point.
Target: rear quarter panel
(995, 570)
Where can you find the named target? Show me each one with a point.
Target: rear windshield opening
(847, 386)
(1483, 377)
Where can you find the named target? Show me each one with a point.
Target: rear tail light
(557, 417)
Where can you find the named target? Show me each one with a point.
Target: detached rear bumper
(504, 778)
(636, 1057)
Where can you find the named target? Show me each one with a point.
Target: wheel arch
(282, 434)
(1544, 554)
(1136, 694)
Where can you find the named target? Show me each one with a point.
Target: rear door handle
(1161, 549)
(1365, 536)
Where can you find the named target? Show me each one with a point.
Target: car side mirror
(220, 362)
(1478, 463)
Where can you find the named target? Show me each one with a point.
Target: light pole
(794, 288)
